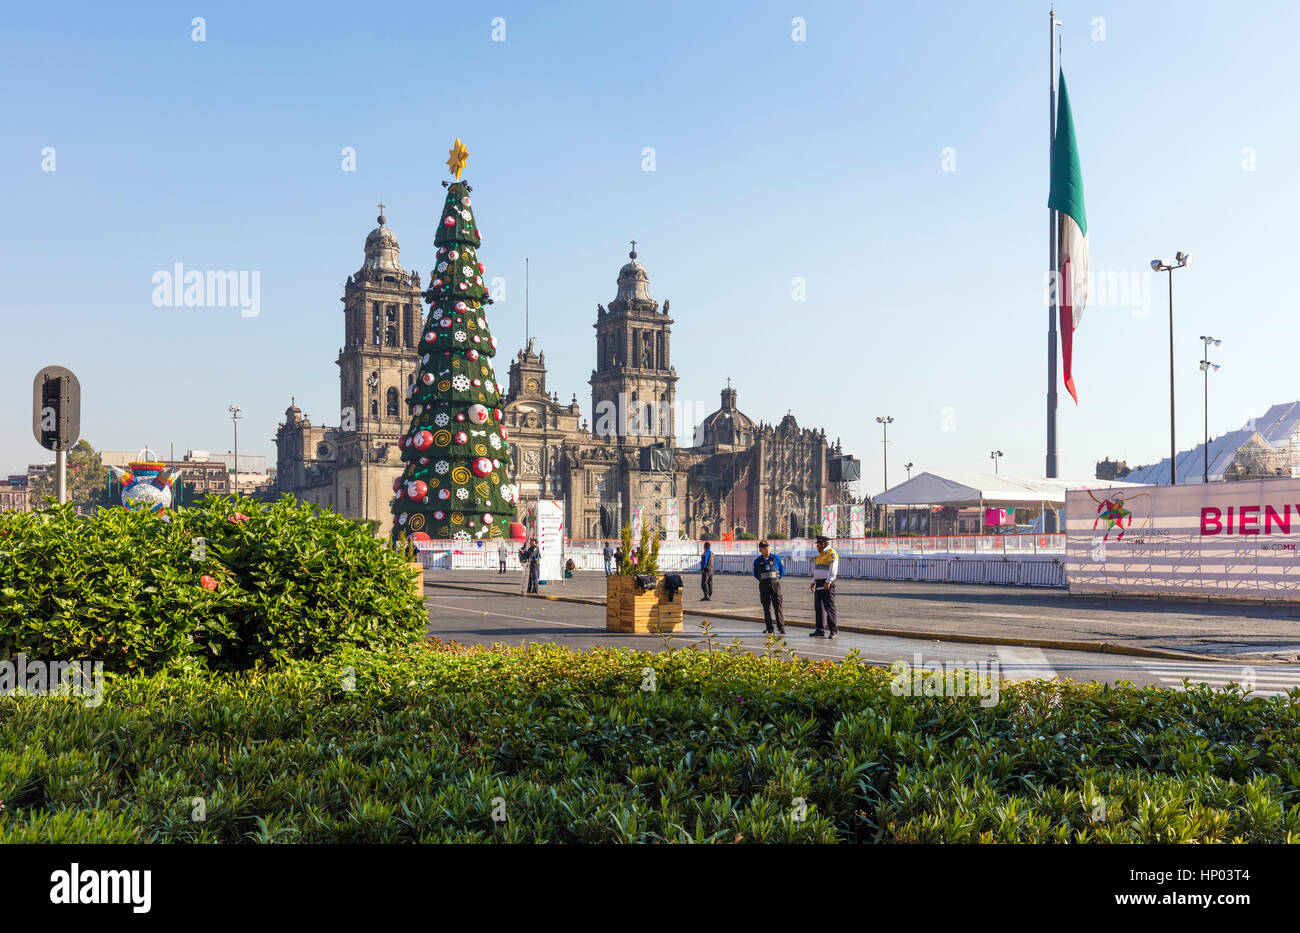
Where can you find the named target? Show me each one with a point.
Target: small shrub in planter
(227, 584)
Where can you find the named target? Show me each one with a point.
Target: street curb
(1097, 647)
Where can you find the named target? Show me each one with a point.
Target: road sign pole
(61, 475)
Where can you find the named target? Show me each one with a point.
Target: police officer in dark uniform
(768, 570)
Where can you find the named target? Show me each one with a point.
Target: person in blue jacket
(768, 570)
(706, 573)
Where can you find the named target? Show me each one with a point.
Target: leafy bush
(417, 745)
(139, 592)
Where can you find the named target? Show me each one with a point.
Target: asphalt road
(1237, 631)
(490, 616)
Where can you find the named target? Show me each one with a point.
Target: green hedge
(422, 745)
(284, 581)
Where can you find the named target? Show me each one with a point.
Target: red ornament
(397, 485)
(417, 489)
(496, 413)
(449, 222)
(423, 440)
(481, 466)
(504, 433)
(461, 437)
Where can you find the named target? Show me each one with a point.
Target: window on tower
(393, 402)
(390, 326)
(374, 408)
(408, 326)
(659, 351)
(374, 317)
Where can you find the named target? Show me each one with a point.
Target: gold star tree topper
(457, 156)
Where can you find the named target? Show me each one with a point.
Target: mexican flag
(1066, 198)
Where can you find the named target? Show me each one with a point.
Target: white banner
(857, 521)
(1216, 539)
(636, 524)
(672, 523)
(550, 539)
(830, 520)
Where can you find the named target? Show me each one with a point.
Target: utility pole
(234, 419)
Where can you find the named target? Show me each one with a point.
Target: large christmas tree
(455, 484)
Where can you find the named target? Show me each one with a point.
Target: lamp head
(1184, 259)
(1158, 265)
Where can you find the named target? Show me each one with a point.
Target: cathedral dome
(633, 282)
(382, 249)
(728, 425)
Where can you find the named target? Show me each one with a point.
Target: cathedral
(623, 465)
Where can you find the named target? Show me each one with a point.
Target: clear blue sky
(775, 159)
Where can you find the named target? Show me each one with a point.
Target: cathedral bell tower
(633, 384)
(383, 320)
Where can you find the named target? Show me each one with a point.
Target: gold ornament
(495, 479)
(457, 518)
(444, 532)
(416, 522)
(444, 386)
(442, 438)
(460, 475)
(457, 156)
(480, 449)
(483, 489)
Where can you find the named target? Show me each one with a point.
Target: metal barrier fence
(1016, 569)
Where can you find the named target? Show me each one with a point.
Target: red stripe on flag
(1067, 328)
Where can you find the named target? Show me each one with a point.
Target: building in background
(736, 476)
(13, 494)
(622, 463)
(351, 467)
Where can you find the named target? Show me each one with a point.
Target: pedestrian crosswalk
(1264, 680)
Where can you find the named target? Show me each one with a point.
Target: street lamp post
(908, 467)
(1181, 260)
(234, 418)
(994, 455)
(884, 423)
(1206, 366)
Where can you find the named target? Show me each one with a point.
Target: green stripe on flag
(1066, 195)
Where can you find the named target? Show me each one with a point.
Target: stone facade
(738, 474)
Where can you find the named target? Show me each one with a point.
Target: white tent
(958, 488)
(1224, 451)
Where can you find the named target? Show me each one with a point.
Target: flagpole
(1051, 265)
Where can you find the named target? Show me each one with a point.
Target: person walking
(706, 573)
(768, 570)
(609, 558)
(826, 566)
(501, 557)
(532, 555)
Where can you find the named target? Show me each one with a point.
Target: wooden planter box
(629, 609)
(417, 569)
